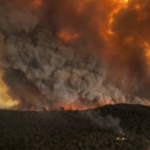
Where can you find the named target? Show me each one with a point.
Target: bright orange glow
(81, 5)
(67, 36)
(121, 5)
(78, 105)
(5, 100)
(75, 106)
(111, 7)
(36, 3)
(147, 54)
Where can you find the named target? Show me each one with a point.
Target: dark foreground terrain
(72, 130)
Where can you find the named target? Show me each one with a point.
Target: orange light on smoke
(36, 3)
(32, 3)
(147, 54)
(108, 9)
(137, 6)
(118, 6)
(81, 4)
(111, 7)
(67, 36)
(75, 106)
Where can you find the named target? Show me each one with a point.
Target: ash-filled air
(42, 71)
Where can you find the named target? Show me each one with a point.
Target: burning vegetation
(88, 129)
(74, 54)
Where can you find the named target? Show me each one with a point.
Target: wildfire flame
(5, 100)
(81, 5)
(121, 5)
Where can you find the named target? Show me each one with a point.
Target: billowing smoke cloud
(41, 70)
(107, 122)
(13, 20)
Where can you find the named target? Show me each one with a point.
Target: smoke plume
(41, 70)
(108, 122)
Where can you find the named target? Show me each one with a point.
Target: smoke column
(43, 71)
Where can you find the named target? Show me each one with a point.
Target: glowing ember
(137, 6)
(147, 54)
(121, 138)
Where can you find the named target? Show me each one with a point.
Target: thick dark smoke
(40, 70)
